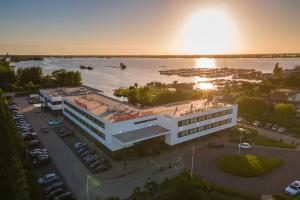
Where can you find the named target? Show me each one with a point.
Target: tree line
(157, 93)
(32, 78)
(16, 177)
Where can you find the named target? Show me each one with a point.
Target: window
(87, 125)
(144, 121)
(202, 128)
(86, 115)
(204, 117)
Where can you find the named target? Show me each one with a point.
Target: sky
(140, 27)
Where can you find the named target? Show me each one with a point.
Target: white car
(280, 130)
(293, 189)
(245, 145)
(255, 123)
(47, 179)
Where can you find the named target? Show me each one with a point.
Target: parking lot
(50, 179)
(73, 170)
(118, 181)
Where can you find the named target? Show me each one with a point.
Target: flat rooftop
(113, 110)
(140, 134)
(70, 91)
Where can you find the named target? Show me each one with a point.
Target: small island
(122, 66)
(250, 74)
(86, 67)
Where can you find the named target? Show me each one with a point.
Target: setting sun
(210, 31)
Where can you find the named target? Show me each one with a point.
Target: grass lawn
(264, 141)
(296, 131)
(247, 165)
(282, 196)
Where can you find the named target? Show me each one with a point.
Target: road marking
(156, 163)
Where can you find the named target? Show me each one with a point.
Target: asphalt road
(272, 182)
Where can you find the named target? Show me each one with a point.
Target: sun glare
(209, 31)
(205, 63)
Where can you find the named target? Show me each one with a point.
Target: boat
(123, 66)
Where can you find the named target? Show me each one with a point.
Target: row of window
(87, 125)
(144, 121)
(49, 101)
(203, 128)
(204, 117)
(93, 119)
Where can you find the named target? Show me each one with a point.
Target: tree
(33, 74)
(285, 111)
(277, 70)
(7, 75)
(252, 107)
(151, 187)
(138, 194)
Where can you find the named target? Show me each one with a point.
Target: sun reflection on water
(205, 63)
(203, 84)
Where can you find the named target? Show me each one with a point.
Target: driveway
(272, 182)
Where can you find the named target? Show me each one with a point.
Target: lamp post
(87, 188)
(192, 167)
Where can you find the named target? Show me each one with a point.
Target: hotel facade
(118, 125)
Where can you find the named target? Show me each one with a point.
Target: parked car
(44, 130)
(91, 158)
(215, 144)
(39, 150)
(29, 136)
(38, 153)
(47, 179)
(275, 127)
(256, 123)
(95, 164)
(66, 133)
(280, 130)
(293, 189)
(40, 161)
(54, 122)
(64, 129)
(34, 142)
(244, 145)
(81, 150)
(239, 119)
(101, 168)
(78, 145)
(268, 125)
(53, 187)
(65, 196)
(84, 153)
(55, 193)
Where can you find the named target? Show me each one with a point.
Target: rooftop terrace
(70, 91)
(115, 111)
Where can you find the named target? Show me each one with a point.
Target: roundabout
(279, 169)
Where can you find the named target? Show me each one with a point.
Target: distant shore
(279, 55)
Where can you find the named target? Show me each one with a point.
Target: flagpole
(87, 188)
(192, 168)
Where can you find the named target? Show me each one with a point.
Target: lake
(106, 77)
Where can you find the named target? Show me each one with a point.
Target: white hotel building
(118, 125)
